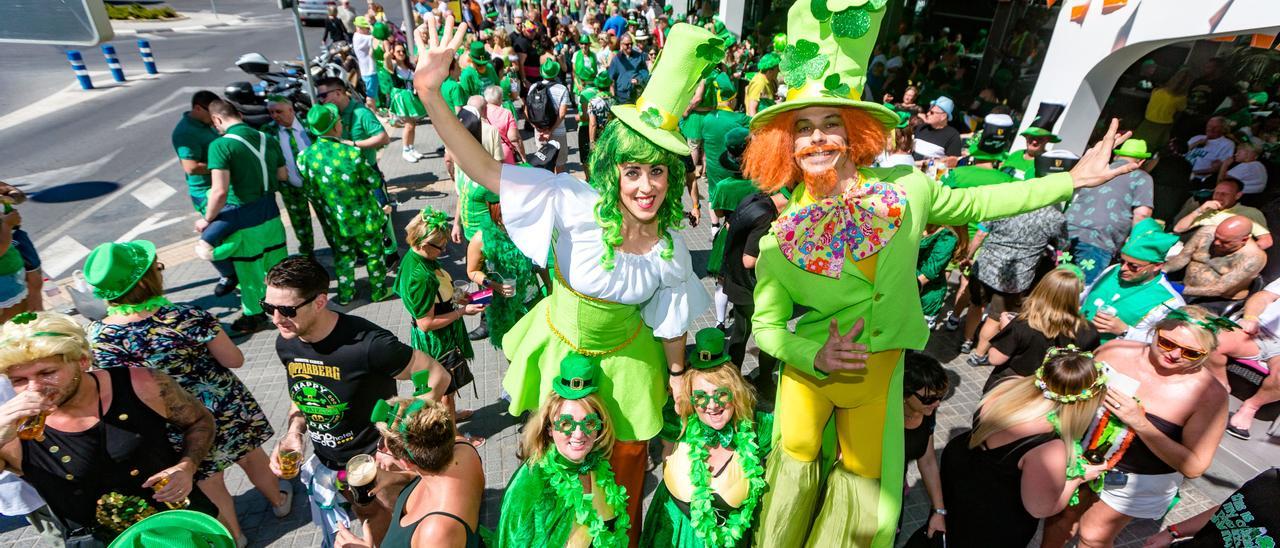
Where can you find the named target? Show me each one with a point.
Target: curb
(186, 28)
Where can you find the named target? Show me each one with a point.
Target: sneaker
(409, 156)
(285, 507)
(1238, 432)
(250, 324)
(415, 152)
(976, 360)
(224, 287)
(480, 333)
(952, 323)
(966, 347)
(722, 328)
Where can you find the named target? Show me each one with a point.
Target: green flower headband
(434, 219)
(1085, 394)
(1214, 324)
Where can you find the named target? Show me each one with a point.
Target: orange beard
(820, 185)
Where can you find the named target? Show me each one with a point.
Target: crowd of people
(833, 171)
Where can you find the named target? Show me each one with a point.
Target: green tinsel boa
(562, 475)
(711, 528)
(1076, 468)
(506, 260)
(148, 305)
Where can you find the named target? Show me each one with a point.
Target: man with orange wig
(845, 251)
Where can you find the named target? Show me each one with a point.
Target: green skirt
(634, 387)
(666, 525)
(405, 104)
(728, 193)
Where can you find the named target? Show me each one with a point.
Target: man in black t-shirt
(745, 226)
(935, 138)
(338, 366)
(1249, 517)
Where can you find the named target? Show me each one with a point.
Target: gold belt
(592, 353)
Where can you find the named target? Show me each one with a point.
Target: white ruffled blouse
(539, 206)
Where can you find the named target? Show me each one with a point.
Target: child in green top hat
(626, 291)
(845, 251)
(1037, 136)
(694, 508)
(566, 445)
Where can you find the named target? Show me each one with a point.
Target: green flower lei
(1076, 468)
(706, 521)
(148, 305)
(562, 475)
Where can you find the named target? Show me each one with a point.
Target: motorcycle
(251, 98)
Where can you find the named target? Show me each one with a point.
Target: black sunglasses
(927, 400)
(289, 311)
(324, 94)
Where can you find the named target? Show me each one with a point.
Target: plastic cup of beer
(508, 286)
(362, 476)
(157, 486)
(460, 291)
(290, 463)
(32, 428)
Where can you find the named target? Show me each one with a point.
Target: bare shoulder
(438, 531)
(1119, 351)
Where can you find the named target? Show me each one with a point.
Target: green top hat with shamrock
(1042, 125)
(709, 349)
(578, 378)
(176, 529)
(115, 268)
(826, 59)
(478, 54)
(689, 56)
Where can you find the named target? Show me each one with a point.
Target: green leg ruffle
(787, 512)
(849, 511)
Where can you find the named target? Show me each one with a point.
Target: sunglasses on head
(288, 311)
(702, 399)
(1167, 344)
(927, 400)
(590, 424)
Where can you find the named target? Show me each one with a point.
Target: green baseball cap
(1133, 148)
(1149, 242)
(768, 61)
(709, 349)
(322, 117)
(550, 69)
(478, 54)
(826, 59)
(578, 377)
(688, 56)
(115, 268)
(176, 529)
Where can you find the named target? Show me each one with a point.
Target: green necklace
(707, 522)
(1075, 468)
(148, 305)
(562, 475)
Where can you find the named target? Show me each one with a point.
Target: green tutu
(728, 193)
(405, 104)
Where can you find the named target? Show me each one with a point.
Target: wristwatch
(1173, 532)
(940, 511)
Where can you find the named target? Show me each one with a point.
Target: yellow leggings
(858, 401)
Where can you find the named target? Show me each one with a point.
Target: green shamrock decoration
(711, 51)
(652, 118)
(848, 18)
(801, 62)
(852, 23)
(832, 87)
(23, 318)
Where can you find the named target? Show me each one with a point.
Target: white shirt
(542, 209)
(1202, 158)
(303, 140)
(363, 46)
(1252, 174)
(892, 160)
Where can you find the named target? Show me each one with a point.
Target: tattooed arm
(163, 395)
(1226, 276)
(1200, 240)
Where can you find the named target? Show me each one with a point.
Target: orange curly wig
(769, 161)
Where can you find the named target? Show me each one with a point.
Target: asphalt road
(98, 164)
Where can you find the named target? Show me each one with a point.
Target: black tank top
(401, 536)
(982, 489)
(1138, 458)
(915, 441)
(72, 470)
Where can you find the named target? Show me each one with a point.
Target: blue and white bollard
(148, 61)
(77, 66)
(113, 62)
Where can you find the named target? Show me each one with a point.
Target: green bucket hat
(380, 31)
(478, 54)
(1149, 242)
(322, 117)
(825, 62)
(768, 61)
(577, 378)
(176, 529)
(550, 69)
(1133, 148)
(688, 56)
(709, 349)
(603, 81)
(115, 268)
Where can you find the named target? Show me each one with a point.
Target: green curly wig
(619, 144)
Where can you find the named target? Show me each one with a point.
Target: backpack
(542, 110)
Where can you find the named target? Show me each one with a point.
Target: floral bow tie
(858, 223)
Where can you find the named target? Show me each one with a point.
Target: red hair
(768, 159)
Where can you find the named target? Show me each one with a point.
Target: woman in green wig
(564, 494)
(625, 289)
(713, 482)
(427, 292)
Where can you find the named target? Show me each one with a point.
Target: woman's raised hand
(436, 51)
(1094, 167)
